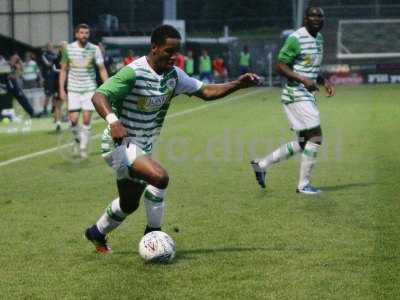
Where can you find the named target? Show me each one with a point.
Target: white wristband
(111, 118)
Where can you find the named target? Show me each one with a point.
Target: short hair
(311, 8)
(162, 33)
(80, 26)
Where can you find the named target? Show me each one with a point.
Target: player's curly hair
(162, 33)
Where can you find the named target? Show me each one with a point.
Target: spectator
(180, 61)
(4, 65)
(6, 107)
(32, 82)
(57, 102)
(205, 67)
(220, 72)
(245, 60)
(189, 63)
(13, 84)
(49, 58)
(31, 75)
(108, 60)
(16, 68)
(130, 57)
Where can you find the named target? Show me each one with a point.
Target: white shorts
(80, 101)
(121, 159)
(302, 115)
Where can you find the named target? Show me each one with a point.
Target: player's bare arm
(286, 71)
(103, 72)
(61, 81)
(216, 91)
(329, 88)
(118, 131)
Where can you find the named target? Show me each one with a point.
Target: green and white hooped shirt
(140, 98)
(81, 66)
(303, 53)
(30, 71)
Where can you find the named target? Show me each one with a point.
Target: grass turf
(234, 241)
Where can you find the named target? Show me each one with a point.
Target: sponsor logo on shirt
(154, 103)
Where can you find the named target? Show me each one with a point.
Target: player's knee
(161, 179)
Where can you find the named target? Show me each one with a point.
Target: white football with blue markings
(158, 247)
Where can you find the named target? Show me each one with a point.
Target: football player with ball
(134, 102)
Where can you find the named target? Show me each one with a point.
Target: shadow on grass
(53, 132)
(347, 186)
(191, 253)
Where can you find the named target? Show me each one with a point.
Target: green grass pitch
(234, 241)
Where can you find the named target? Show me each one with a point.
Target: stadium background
(263, 25)
(233, 240)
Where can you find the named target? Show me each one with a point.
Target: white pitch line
(31, 155)
(171, 116)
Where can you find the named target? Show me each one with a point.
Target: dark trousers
(16, 91)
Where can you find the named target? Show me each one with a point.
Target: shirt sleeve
(64, 56)
(186, 85)
(117, 87)
(290, 50)
(98, 56)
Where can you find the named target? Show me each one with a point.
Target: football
(157, 246)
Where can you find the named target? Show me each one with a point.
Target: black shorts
(50, 86)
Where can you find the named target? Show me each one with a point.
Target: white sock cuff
(154, 194)
(86, 127)
(115, 212)
(154, 212)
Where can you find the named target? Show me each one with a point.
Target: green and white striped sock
(112, 217)
(85, 136)
(154, 203)
(75, 129)
(284, 152)
(308, 159)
